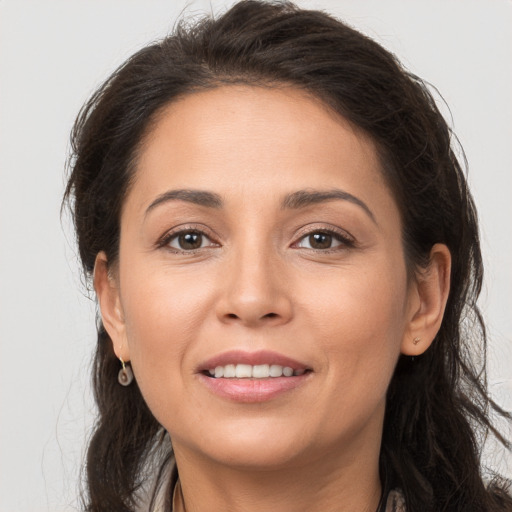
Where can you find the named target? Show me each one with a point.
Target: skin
(257, 283)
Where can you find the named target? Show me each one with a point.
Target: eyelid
(164, 240)
(344, 236)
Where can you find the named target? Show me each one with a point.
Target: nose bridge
(254, 290)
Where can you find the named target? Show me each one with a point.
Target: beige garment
(396, 502)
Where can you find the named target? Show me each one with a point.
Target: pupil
(190, 240)
(320, 241)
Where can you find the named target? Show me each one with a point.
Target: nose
(255, 291)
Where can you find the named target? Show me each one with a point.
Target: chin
(252, 445)
(254, 456)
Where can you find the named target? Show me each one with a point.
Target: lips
(251, 377)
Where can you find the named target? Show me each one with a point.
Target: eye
(189, 240)
(322, 240)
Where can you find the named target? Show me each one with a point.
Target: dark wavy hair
(438, 410)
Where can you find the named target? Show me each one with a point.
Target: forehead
(242, 139)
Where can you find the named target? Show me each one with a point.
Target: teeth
(287, 371)
(276, 370)
(259, 371)
(243, 371)
(229, 371)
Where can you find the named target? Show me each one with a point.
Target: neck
(337, 482)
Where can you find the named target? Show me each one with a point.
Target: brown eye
(189, 240)
(320, 240)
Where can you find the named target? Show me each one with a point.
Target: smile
(252, 377)
(259, 371)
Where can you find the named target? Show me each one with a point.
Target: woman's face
(259, 236)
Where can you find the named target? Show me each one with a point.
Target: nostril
(231, 315)
(270, 315)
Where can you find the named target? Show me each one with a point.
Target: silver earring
(416, 340)
(125, 375)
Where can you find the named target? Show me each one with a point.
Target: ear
(112, 316)
(428, 297)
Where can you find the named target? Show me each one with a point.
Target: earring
(125, 375)
(416, 340)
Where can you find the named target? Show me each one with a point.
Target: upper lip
(252, 358)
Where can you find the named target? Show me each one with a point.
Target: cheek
(162, 304)
(359, 324)
(164, 314)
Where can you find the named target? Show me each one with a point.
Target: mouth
(263, 364)
(252, 377)
(259, 371)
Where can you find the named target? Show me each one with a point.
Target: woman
(286, 258)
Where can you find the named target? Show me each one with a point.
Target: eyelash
(345, 240)
(165, 241)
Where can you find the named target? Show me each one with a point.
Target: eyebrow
(199, 197)
(303, 198)
(293, 201)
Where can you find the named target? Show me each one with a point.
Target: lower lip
(252, 390)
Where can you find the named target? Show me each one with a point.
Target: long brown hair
(438, 406)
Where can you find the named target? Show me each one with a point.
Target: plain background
(52, 56)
